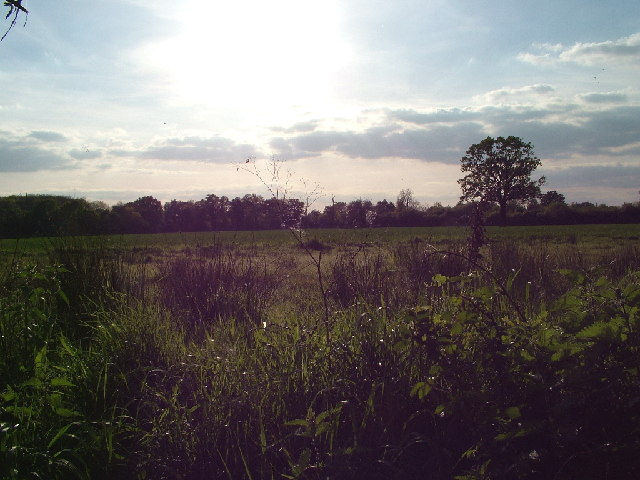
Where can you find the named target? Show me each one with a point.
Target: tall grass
(217, 284)
(187, 365)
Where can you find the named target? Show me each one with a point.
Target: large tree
(499, 171)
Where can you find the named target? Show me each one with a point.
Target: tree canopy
(499, 171)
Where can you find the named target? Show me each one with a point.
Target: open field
(343, 354)
(602, 235)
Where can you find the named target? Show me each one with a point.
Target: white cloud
(213, 149)
(623, 51)
(517, 95)
(19, 154)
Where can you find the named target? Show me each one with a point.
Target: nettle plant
(539, 391)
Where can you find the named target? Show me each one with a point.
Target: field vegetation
(343, 354)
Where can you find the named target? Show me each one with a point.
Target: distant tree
(550, 197)
(405, 200)
(292, 212)
(236, 214)
(383, 214)
(181, 216)
(499, 171)
(383, 206)
(150, 209)
(125, 219)
(214, 211)
(357, 213)
(254, 212)
(335, 215)
(313, 219)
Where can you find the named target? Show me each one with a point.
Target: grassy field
(342, 354)
(587, 234)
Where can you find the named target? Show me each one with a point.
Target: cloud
(19, 155)
(281, 146)
(624, 51)
(307, 126)
(214, 149)
(615, 127)
(610, 176)
(45, 136)
(452, 115)
(556, 130)
(563, 131)
(438, 143)
(526, 94)
(85, 154)
(608, 97)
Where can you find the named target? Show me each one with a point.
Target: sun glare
(254, 54)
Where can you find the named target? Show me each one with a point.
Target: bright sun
(254, 54)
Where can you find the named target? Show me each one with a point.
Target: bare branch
(15, 7)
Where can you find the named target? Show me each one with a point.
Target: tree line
(497, 189)
(48, 215)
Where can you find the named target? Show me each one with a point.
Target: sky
(112, 100)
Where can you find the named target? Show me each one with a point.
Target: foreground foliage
(218, 363)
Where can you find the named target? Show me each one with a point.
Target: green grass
(590, 235)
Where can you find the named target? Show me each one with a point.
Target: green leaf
(300, 422)
(576, 278)
(63, 296)
(513, 412)
(602, 330)
(8, 395)
(61, 382)
(68, 348)
(439, 280)
(526, 356)
(456, 329)
(484, 293)
(39, 361)
(19, 410)
(421, 390)
(321, 428)
(59, 434)
(66, 412)
(32, 382)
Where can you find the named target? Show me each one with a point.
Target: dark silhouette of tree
(24, 216)
(214, 211)
(151, 212)
(15, 9)
(180, 216)
(357, 213)
(292, 211)
(405, 200)
(551, 197)
(335, 215)
(125, 219)
(499, 171)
